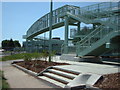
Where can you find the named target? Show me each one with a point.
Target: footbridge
(104, 35)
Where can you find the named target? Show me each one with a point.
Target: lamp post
(50, 31)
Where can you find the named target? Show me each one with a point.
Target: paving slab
(92, 68)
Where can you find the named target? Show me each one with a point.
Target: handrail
(90, 34)
(89, 42)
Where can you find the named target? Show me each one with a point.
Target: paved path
(18, 79)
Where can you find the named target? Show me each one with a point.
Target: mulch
(109, 81)
(37, 65)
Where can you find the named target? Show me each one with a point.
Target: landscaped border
(34, 74)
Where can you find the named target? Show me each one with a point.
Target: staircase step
(66, 70)
(57, 78)
(52, 81)
(63, 74)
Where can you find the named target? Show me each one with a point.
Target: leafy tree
(9, 45)
(5, 44)
(17, 44)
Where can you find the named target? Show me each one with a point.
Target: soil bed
(109, 81)
(37, 65)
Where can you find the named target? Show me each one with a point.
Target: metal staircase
(91, 45)
(95, 42)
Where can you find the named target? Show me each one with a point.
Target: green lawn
(27, 56)
(12, 57)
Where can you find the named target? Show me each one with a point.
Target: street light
(50, 31)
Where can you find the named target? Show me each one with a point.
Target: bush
(28, 56)
(37, 55)
(53, 53)
(45, 54)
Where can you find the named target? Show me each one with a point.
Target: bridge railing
(99, 10)
(43, 22)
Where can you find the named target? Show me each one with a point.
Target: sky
(17, 17)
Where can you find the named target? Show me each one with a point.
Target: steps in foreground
(66, 78)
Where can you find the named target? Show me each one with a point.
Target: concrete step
(66, 70)
(63, 74)
(57, 78)
(52, 81)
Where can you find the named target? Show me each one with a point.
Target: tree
(9, 45)
(5, 44)
(16, 43)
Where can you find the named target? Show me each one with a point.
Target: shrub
(53, 53)
(37, 55)
(27, 57)
(45, 55)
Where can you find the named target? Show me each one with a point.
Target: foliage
(3, 80)
(13, 57)
(27, 56)
(16, 43)
(45, 54)
(53, 53)
(9, 45)
(36, 55)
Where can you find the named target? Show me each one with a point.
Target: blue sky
(17, 17)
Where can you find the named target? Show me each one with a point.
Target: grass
(3, 82)
(26, 56)
(12, 57)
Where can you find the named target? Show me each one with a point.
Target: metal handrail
(99, 32)
(90, 34)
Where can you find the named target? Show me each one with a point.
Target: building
(40, 44)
